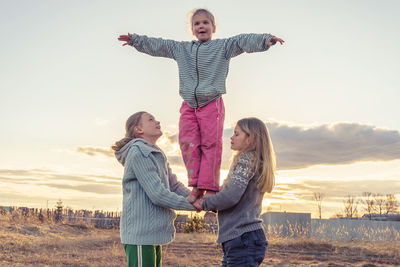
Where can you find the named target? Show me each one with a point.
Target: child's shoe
(195, 194)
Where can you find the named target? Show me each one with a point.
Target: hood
(144, 146)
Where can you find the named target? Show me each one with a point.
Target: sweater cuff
(133, 37)
(268, 38)
(204, 206)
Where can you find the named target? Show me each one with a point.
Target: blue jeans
(247, 250)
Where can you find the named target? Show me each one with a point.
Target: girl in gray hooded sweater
(239, 203)
(150, 192)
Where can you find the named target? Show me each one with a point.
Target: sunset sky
(330, 95)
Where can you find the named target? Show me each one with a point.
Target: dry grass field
(30, 243)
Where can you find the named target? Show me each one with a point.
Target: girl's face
(239, 140)
(202, 27)
(149, 128)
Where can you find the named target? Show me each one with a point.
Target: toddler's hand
(125, 38)
(274, 40)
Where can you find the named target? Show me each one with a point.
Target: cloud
(339, 143)
(23, 172)
(334, 190)
(101, 184)
(95, 151)
(97, 188)
(298, 146)
(101, 122)
(172, 137)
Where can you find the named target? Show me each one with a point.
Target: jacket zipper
(198, 78)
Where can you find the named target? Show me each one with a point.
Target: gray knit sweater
(150, 192)
(238, 203)
(203, 67)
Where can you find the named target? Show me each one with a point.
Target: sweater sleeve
(157, 47)
(146, 173)
(176, 186)
(248, 43)
(233, 189)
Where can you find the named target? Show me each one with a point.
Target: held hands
(125, 38)
(198, 204)
(274, 40)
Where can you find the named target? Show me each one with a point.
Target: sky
(329, 96)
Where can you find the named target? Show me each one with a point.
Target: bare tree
(350, 207)
(368, 203)
(318, 197)
(380, 203)
(391, 204)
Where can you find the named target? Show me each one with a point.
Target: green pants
(143, 256)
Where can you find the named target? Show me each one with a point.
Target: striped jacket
(150, 193)
(203, 67)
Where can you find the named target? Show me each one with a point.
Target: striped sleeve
(248, 43)
(157, 47)
(146, 173)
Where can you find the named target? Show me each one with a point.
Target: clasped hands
(198, 204)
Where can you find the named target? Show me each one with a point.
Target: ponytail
(119, 144)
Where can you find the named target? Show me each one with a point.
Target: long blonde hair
(263, 162)
(133, 121)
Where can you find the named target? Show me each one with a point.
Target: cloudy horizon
(298, 148)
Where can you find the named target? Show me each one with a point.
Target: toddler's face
(202, 27)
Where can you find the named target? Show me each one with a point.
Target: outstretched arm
(249, 43)
(157, 47)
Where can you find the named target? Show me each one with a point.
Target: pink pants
(200, 139)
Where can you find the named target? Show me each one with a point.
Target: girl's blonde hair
(196, 11)
(133, 121)
(263, 162)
